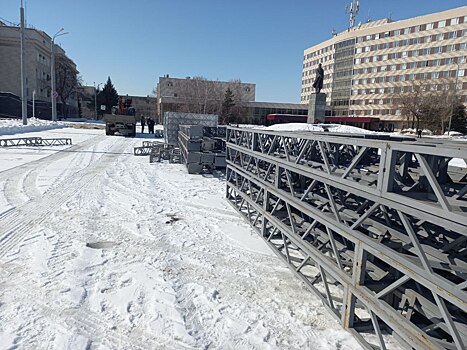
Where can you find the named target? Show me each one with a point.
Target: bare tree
(199, 95)
(67, 80)
(425, 104)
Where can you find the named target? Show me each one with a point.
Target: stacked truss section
(376, 227)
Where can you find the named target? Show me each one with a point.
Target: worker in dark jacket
(143, 123)
(151, 125)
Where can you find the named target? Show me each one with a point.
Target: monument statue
(318, 83)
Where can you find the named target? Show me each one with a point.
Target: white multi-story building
(365, 65)
(37, 63)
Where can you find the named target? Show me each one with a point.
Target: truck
(122, 121)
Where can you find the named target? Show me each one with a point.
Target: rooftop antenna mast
(352, 9)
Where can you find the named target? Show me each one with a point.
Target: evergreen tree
(227, 105)
(108, 97)
(459, 117)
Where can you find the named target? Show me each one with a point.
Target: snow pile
(15, 126)
(318, 128)
(453, 133)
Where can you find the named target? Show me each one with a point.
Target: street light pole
(52, 73)
(33, 103)
(95, 97)
(452, 100)
(24, 98)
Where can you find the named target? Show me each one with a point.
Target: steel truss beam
(384, 221)
(34, 141)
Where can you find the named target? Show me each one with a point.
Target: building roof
(276, 105)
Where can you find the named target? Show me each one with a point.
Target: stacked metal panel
(165, 152)
(172, 120)
(376, 228)
(202, 153)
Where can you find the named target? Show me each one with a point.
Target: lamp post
(95, 97)
(24, 106)
(33, 103)
(452, 100)
(52, 73)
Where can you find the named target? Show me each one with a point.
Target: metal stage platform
(34, 141)
(376, 227)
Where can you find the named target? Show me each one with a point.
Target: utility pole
(452, 100)
(54, 94)
(34, 104)
(95, 97)
(24, 97)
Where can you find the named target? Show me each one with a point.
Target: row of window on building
(397, 43)
(394, 67)
(393, 90)
(413, 29)
(326, 68)
(42, 59)
(413, 41)
(309, 81)
(409, 77)
(367, 112)
(411, 65)
(412, 53)
(402, 89)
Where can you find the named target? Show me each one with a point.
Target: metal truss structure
(377, 228)
(165, 152)
(34, 141)
(144, 150)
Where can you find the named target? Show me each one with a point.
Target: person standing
(151, 125)
(143, 123)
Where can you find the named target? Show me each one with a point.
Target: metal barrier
(377, 228)
(34, 141)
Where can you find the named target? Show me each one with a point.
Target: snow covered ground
(101, 250)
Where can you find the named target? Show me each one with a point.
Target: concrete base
(316, 108)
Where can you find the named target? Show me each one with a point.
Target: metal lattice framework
(376, 228)
(34, 141)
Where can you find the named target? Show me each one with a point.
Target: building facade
(145, 106)
(37, 55)
(367, 65)
(175, 92)
(256, 112)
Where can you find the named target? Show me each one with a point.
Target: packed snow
(101, 250)
(318, 128)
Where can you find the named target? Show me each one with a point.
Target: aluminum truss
(34, 141)
(376, 228)
(144, 150)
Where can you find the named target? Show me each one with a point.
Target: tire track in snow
(20, 182)
(16, 225)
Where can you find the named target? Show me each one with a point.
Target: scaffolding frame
(376, 227)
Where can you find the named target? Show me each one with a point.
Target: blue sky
(256, 41)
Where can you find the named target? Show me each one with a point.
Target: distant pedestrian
(151, 125)
(419, 133)
(143, 123)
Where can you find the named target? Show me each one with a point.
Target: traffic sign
(55, 94)
(102, 107)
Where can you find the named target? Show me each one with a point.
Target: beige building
(37, 64)
(173, 92)
(144, 105)
(365, 65)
